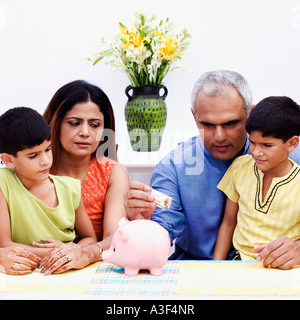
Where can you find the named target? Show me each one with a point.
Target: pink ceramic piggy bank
(137, 245)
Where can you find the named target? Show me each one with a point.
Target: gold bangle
(100, 250)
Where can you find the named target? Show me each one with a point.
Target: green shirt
(31, 219)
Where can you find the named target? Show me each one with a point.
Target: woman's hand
(69, 256)
(18, 261)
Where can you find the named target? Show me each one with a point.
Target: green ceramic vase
(146, 116)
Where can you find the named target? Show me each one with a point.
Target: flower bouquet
(146, 52)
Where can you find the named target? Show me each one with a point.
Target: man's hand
(282, 253)
(138, 203)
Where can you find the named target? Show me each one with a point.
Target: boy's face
(32, 163)
(271, 154)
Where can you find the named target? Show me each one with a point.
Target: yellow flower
(169, 51)
(124, 36)
(133, 37)
(123, 29)
(137, 40)
(145, 51)
(158, 34)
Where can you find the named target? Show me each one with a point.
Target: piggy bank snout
(106, 255)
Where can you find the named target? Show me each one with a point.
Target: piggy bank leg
(131, 271)
(156, 271)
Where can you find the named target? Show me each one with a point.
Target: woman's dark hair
(22, 128)
(63, 101)
(277, 117)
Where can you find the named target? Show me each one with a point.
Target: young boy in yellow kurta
(35, 206)
(263, 188)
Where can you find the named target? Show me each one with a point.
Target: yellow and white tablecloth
(180, 280)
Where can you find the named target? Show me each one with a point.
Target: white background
(44, 45)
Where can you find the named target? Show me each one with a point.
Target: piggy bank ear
(124, 235)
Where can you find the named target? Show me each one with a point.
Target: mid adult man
(221, 102)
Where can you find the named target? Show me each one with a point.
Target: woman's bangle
(100, 250)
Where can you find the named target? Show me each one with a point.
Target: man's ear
(293, 143)
(8, 160)
(193, 113)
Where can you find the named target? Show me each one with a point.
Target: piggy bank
(139, 245)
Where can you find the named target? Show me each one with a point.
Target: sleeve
(164, 179)
(228, 182)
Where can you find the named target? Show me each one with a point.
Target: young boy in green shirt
(35, 206)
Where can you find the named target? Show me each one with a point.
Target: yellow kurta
(31, 219)
(260, 222)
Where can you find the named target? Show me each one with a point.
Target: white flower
(146, 51)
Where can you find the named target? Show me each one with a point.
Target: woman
(81, 118)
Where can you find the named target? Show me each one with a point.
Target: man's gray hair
(215, 83)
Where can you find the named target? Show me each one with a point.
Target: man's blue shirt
(190, 175)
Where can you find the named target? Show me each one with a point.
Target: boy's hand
(48, 243)
(282, 253)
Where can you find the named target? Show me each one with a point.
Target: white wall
(44, 44)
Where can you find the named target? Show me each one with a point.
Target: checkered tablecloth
(110, 281)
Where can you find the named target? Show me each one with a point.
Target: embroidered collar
(264, 207)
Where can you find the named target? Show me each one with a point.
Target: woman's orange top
(93, 191)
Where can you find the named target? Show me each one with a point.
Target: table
(181, 280)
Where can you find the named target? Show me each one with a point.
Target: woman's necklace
(85, 173)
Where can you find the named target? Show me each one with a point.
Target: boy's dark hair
(22, 128)
(277, 117)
